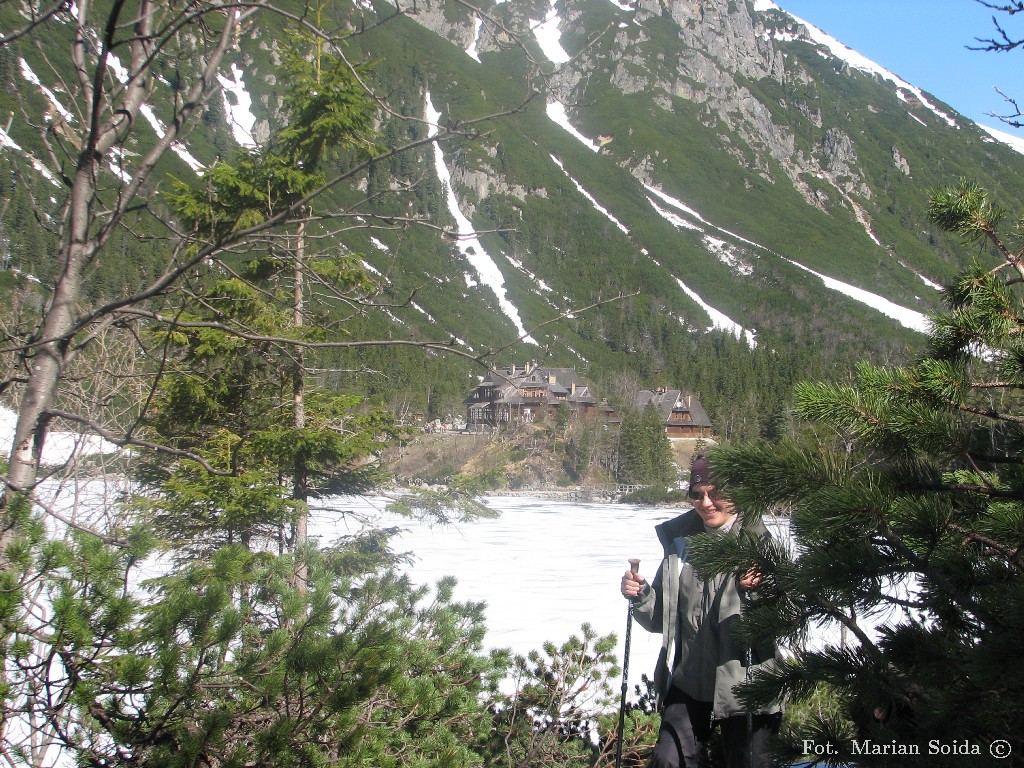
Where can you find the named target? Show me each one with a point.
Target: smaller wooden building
(681, 412)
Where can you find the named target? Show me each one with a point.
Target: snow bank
(548, 37)
(60, 447)
(468, 243)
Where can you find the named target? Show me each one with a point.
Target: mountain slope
(723, 164)
(783, 156)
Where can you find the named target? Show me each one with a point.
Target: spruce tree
(634, 456)
(645, 455)
(662, 470)
(907, 525)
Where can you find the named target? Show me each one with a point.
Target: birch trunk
(108, 112)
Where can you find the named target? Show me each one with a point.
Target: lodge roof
(557, 383)
(669, 401)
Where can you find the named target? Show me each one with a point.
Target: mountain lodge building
(521, 395)
(527, 394)
(680, 412)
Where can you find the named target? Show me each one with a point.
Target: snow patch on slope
(533, 278)
(724, 251)
(679, 205)
(719, 320)
(908, 318)
(672, 218)
(928, 281)
(28, 74)
(556, 111)
(7, 141)
(548, 37)
(472, 50)
(240, 116)
(121, 73)
(1011, 140)
(468, 243)
(590, 198)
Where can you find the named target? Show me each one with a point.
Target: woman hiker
(700, 660)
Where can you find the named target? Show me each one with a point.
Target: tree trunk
(46, 361)
(108, 117)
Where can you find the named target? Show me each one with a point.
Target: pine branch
(1010, 556)
(123, 441)
(991, 413)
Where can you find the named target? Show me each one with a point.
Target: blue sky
(925, 43)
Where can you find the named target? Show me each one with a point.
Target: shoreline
(588, 495)
(599, 494)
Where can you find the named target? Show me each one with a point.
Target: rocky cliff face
(722, 46)
(719, 48)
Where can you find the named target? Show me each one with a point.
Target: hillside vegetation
(783, 158)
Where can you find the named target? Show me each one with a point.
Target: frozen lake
(543, 567)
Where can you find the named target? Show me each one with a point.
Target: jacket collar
(686, 524)
(690, 523)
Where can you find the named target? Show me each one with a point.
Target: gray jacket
(695, 619)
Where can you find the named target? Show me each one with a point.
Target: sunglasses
(712, 493)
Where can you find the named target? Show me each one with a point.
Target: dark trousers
(686, 728)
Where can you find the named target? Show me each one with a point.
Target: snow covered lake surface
(543, 567)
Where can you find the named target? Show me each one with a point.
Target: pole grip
(634, 564)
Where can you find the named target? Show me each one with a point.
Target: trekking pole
(744, 604)
(750, 718)
(634, 567)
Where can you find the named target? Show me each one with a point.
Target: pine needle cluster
(901, 594)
